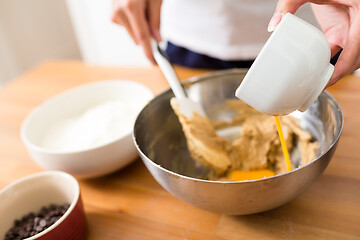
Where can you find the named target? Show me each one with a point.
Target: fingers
(132, 14)
(140, 27)
(121, 19)
(283, 7)
(334, 49)
(340, 21)
(349, 58)
(274, 21)
(290, 6)
(336, 39)
(334, 21)
(154, 10)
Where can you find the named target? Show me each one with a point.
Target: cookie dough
(205, 146)
(257, 148)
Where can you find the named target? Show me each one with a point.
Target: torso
(223, 29)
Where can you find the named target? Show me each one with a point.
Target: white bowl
(77, 158)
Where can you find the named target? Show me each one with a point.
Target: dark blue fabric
(184, 57)
(335, 58)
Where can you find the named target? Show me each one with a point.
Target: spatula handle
(168, 71)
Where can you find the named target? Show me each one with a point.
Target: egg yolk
(239, 175)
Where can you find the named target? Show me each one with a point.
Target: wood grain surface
(130, 204)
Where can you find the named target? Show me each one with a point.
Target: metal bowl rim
(205, 76)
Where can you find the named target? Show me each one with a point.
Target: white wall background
(32, 31)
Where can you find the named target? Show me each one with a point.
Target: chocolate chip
(36, 220)
(17, 222)
(42, 223)
(38, 228)
(31, 223)
(29, 227)
(52, 207)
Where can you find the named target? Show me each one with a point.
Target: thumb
(283, 7)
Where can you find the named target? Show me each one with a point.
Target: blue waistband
(184, 57)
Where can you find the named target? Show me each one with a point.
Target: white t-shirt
(223, 29)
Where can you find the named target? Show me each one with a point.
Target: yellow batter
(256, 153)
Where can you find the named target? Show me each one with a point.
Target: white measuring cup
(291, 70)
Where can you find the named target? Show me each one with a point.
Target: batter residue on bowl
(255, 154)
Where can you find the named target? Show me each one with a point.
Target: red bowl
(31, 193)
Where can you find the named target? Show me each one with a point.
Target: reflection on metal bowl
(162, 146)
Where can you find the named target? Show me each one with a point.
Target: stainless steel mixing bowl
(162, 146)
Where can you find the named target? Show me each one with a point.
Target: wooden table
(130, 204)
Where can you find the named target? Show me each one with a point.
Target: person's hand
(340, 21)
(141, 18)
